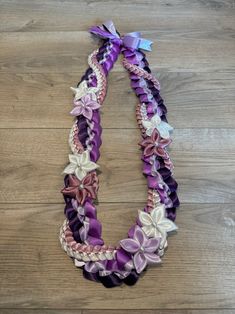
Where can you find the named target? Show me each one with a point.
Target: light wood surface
(44, 48)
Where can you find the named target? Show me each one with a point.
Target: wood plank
(44, 48)
(46, 52)
(194, 100)
(196, 271)
(171, 16)
(42, 311)
(32, 162)
(66, 311)
(162, 311)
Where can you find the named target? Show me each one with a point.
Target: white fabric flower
(156, 123)
(82, 90)
(80, 165)
(155, 224)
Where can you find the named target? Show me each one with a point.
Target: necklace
(80, 234)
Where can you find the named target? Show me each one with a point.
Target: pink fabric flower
(154, 144)
(143, 249)
(80, 189)
(85, 106)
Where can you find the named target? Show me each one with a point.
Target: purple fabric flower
(85, 106)
(142, 248)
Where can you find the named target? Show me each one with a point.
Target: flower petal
(87, 113)
(156, 120)
(72, 159)
(77, 102)
(76, 111)
(81, 90)
(155, 136)
(167, 126)
(93, 105)
(70, 191)
(145, 218)
(80, 173)
(146, 124)
(146, 142)
(163, 242)
(167, 225)
(160, 152)
(81, 196)
(156, 233)
(152, 258)
(90, 165)
(140, 262)
(149, 230)
(73, 181)
(85, 157)
(139, 235)
(91, 190)
(70, 169)
(158, 213)
(86, 99)
(152, 245)
(163, 131)
(88, 180)
(149, 150)
(93, 96)
(149, 131)
(130, 245)
(165, 142)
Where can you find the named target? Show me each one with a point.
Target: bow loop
(133, 40)
(106, 30)
(130, 40)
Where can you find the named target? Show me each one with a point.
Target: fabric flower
(80, 165)
(155, 224)
(155, 145)
(85, 106)
(143, 249)
(80, 189)
(82, 90)
(156, 123)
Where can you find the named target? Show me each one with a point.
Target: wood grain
(66, 311)
(44, 48)
(168, 17)
(44, 273)
(42, 52)
(34, 159)
(191, 98)
(175, 311)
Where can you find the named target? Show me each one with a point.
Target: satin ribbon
(129, 40)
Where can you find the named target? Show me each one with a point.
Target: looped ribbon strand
(130, 40)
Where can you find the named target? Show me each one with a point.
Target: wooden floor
(44, 48)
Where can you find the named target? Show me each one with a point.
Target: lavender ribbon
(129, 40)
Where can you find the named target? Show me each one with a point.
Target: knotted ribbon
(130, 40)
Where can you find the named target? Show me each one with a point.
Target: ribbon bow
(130, 40)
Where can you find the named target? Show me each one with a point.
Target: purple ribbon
(129, 40)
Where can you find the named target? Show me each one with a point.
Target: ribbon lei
(130, 40)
